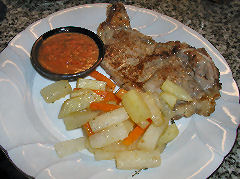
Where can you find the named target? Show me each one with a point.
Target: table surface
(216, 20)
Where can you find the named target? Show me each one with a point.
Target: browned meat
(134, 60)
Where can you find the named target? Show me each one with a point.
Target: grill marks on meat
(134, 60)
(130, 54)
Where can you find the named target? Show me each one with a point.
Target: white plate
(29, 127)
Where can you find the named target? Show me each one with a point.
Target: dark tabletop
(216, 20)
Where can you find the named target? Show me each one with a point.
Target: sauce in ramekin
(68, 53)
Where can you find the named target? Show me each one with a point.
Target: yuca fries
(133, 134)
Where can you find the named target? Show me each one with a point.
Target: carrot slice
(101, 77)
(88, 129)
(135, 134)
(120, 93)
(103, 106)
(112, 97)
(76, 89)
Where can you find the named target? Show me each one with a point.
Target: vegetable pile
(131, 127)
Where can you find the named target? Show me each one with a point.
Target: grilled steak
(134, 60)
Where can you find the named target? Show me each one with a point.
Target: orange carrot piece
(101, 77)
(88, 129)
(150, 121)
(120, 93)
(76, 89)
(135, 134)
(112, 97)
(103, 106)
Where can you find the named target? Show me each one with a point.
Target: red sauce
(68, 53)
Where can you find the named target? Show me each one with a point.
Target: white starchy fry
(150, 138)
(115, 147)
(168, 98)
(69, 146)
(110, 135)
(91, 84)
(135, 106)
(89, 147)
(73, 105)
(161, 147)
(179, 92)
(77, 104)
(118, 146)
(107, 119)
(137, 159)
(164, 107)
(55, 91)
(157, 117)
(77, 119)
(170, 134)
(104, 155)
(81, 92)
